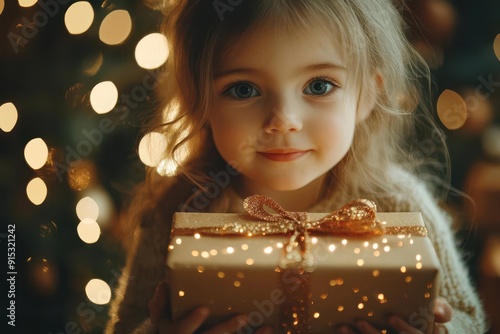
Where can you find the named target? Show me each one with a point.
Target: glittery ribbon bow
(356, 218)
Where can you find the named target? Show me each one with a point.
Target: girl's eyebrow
(308, 68)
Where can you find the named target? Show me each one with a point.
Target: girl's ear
(369, 97)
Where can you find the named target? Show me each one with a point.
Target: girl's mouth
(283, 155)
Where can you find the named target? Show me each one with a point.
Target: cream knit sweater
(145, 266)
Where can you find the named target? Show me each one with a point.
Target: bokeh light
(36, 153)
(36, 191)
(88, 230)
(2, 5)
(98, 291)
(116, 27)
(87, 208)
(79, 17)
(8, 115)
(152, 51)
(152, 149)
(104, 202)
(103, 97)
(27, 3)
(496, 46)
(451, 109)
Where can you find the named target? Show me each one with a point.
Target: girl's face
(282, 115)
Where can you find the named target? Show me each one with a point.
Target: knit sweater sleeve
(143, 271)
(456, 287)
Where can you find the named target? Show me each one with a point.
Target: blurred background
(77, 82)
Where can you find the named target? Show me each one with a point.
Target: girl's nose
(282, 121)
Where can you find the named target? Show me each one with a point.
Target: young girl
(313, 103)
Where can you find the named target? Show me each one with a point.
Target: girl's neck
(294, 200)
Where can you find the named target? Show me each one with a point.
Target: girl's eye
(319, 87)
(242, 91)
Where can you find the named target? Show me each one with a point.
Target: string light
(36, 191)
(98, 291)
(87, 208)
(152, 149)
(116, 27)
(152, 51)
(88, 230)
(36, 153)
(103, 97)
(79, 17)
(8, 115)
(451, 109)
(27, 3)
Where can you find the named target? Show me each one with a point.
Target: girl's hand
(193, 321)
(442, 313)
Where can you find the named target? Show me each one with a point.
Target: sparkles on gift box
(303, 273)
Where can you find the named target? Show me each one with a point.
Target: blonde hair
(371, 35)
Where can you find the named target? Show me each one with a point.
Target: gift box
(303, 273)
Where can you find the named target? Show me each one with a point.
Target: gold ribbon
(355, 219)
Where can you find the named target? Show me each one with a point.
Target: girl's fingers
(230, 326)
(157, 305)
(442, 310)
(402, 326)
(365, 328)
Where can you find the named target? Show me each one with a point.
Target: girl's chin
(275, 185)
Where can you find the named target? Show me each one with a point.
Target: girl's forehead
(261, 42)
